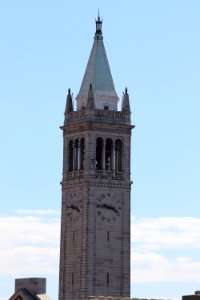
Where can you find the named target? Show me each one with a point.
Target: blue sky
(153, 48)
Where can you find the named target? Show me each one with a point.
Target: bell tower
(95, 221)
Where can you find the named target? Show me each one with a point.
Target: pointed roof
(98, 73)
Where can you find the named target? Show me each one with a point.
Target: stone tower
(95, 226)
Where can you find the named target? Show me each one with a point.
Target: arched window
(82, 146)
(76, 155)
(70, 161)
(109, 155)
(99, 154)
(118, 155)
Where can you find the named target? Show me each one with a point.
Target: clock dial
(107, 209)
(74, 208)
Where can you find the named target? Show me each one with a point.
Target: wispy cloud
(156, 233)
(38, 212)
(152, 267)
(30, 245)
(162, 249)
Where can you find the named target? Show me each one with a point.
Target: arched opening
(82, 154)
(70, 158)
(76, 155)
(99, 154)
(109, 155)
(118, 156)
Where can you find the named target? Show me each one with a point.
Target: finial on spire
(125, 103)
(69, 103)
(98, 34)
(90, 100)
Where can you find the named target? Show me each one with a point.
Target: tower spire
(98, 73)
(96, 185)
(98, 34)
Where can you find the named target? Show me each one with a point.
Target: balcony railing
(104, 174)
(109, 174)
(74, 175)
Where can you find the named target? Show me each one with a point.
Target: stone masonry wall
(117, 298)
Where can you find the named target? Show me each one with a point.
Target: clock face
(74, 208)
(108, 210)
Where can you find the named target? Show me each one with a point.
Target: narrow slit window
(109, 155)
(82, 146)
(99, 154)
(76, 155)
(107, 278)
(70, 158)
(118, 155)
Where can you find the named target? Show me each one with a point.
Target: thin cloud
(29, 260)
(38, 212)
(30, 246)
(173, 233)
(159, 247)
(29, 230)
(154, 267)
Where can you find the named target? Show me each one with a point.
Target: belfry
(96, 184)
